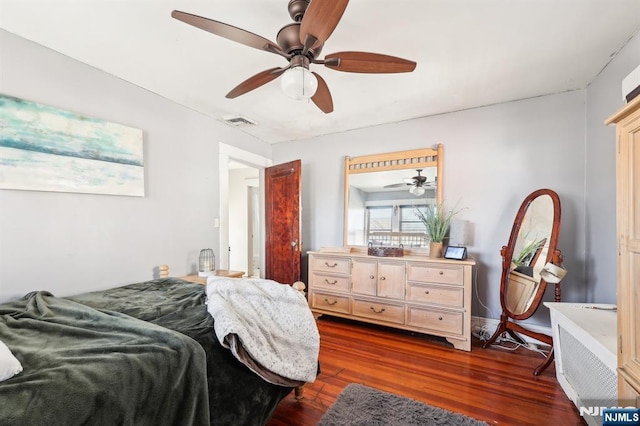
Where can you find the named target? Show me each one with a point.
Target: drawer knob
(371, 276)
(334, 282)
(331, 266)
(376, 311)
(439, 318)
(441, 272)
(330, 303)
(426, 292)
(382, 278)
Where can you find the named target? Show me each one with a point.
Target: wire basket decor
(206, 263)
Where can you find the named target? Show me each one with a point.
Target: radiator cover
(584, 340)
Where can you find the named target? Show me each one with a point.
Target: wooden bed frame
(298, 285)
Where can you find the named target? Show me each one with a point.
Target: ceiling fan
(300, 43)
(417, 183)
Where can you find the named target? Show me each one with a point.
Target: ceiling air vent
(239, 121)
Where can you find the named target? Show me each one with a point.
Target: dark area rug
(362, 405)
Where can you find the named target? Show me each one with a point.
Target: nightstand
(219, 273)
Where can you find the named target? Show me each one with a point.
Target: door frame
(226, 153)
(253, 192)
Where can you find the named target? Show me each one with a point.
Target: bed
(144, 353)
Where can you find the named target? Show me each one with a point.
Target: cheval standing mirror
(525, 264)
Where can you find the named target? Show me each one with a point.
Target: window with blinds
(380, 219)
(394, 225)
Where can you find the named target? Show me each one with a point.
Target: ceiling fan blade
(320, 19)
(256, 81)
(365, 62)
(229, 32)
(395, 185)
(322, 98)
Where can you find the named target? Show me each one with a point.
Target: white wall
(604, 97)
(70, 243)
(493, 158)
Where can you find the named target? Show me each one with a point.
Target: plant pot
(435, 250)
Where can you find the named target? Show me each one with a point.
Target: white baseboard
(491, 324)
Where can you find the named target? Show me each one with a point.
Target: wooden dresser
(416, 293)
(627, 121)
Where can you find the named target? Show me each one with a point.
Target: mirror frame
(553, 254)
(507, 318)
(399, 160)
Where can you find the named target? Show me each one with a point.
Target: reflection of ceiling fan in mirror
(300, 43)
(418, 184)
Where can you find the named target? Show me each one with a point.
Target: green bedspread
(98, 367)
(237, 396)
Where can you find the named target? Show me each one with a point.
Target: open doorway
(244, 219)
(241, 177)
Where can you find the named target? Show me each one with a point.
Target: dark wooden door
(282, 222)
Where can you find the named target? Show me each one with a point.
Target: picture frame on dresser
(455, 253)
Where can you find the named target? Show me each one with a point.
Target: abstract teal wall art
(43, 148)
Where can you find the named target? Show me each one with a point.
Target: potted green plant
(436, 219)
(525, 259)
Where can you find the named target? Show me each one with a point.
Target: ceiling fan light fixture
(299, 83)
(416, 190)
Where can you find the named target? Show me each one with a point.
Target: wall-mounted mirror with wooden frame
(380, 192)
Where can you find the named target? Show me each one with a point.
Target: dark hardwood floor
(493, 385)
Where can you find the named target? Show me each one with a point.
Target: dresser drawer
(378, 311)
(336, 265)
(332, 282)
(330, 302)
(436, 294)
(436, 320)
(435, 273)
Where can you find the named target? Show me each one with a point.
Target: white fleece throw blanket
(272, 322)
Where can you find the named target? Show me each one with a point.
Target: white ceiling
(377, 181)
(469, 53)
